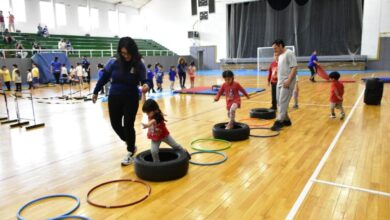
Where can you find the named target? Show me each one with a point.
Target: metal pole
(17, 108)
(32, 106)
(6, 104)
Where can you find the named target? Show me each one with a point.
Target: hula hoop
(229, 144)
(124, 205)
(71, 217)
(18, 214)
(264, 136)
(255, 126)
(211, 163)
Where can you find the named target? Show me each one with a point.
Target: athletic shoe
(277, 126)
(295, 106)
(287, 123)
(128, 159)
(342, 116)
(332, 116)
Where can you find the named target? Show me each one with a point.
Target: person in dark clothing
(86, 65)
(313, 63)
(126, 72)
(181, 71)
(56, 69)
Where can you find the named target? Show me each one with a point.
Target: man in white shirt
(287, 71)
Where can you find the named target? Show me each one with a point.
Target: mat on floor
(323, 74)
(384, 79)
(203, 90)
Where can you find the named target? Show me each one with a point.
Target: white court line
(354, 188)
(303, 104)
(321, 164)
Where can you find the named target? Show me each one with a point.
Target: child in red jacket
(336, 95)
(233, 100)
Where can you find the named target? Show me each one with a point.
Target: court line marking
(310, 182)
(376, 192)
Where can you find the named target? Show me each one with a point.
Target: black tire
(262, 113)
(173, 165)
(374, 92)
(239, 132)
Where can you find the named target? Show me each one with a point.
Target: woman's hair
(151, 106)
(228, 74)
(132, 49)
(181, 59)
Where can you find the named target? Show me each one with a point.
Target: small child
(35, 75)
(64, 74)
(30, 79)
(150, 78)
(233, 100)
(80, 73)
(18, 81)
(336, 95)
(159, 78)
(192, 73)
(172, 76)
(157, 130)
(273, 80)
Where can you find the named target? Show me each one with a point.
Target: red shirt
(232, 93)
(339, 87)
(273, 67)
(157, 131)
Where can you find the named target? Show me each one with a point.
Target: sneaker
(128, 159)
(287, 123)
(295, 106)
(332, 116)
(277, 126)
(342, 116)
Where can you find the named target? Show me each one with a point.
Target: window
(113, 21)
(122, 24)
(94, 18)
(4, 6)
(19, 10)
(83, 17)
(61, 14)
(47, 14)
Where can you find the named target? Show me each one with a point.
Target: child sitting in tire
(233, 100)
(157, 130)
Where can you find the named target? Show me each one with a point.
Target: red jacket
(158, 131)
(232, 93)
(339, 87)
(273, 80)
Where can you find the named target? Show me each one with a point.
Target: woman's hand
(94, 98)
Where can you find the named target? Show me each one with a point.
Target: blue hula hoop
(211, 163)
(71, 216)
(18, 214)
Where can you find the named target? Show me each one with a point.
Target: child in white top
(29, 79)
(18, 81)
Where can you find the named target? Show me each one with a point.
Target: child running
(233, 100)
(157, 130)
(336, 95)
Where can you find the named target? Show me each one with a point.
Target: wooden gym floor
(319, 168)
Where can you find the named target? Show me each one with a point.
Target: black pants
(182, 77)
(151, 85)
(313, 71)
(18, 87)
(273, 92)
(57, 77)
(30, 85)
(124, 108)
(8, 84)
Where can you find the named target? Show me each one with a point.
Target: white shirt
(29, 77)
(287, 60)
(64, 71)
(79, 70)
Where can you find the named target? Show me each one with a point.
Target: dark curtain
(332, 27)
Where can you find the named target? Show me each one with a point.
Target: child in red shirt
(336, 95)
(192, 73)
(157, 130)
(273, 79)
(233, 100)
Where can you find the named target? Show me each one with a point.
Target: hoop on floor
(211, 163)
(264, 136)
(18, 214)
(253, 125)
(71, 217)
(123, 205)
(228, 144)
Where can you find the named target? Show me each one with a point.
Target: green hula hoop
(228, 144)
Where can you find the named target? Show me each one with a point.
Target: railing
(24, 53)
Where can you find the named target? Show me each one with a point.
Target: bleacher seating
(83, 42)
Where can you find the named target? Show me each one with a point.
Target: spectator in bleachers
(2, 24)
(19, 46)
(8, 39)
(45, 31)
(2, 53)
(11, 22)
(40, 30)
(69, 47)
(36, 48)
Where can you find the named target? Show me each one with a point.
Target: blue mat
(214, 92)
(384, 79)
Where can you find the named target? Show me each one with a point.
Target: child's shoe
(342, 116)
(229, 126)
(332, 115)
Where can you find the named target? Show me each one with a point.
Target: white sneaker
(128, 159)
(332, 116)
(342, 116)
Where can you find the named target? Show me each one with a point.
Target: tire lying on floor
(240, 131)
(262, 113)
(173, 165)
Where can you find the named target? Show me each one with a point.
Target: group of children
(15, 77)
(158, 75)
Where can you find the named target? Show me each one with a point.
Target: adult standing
(2, 24)
(287, 70)
(126, 72)
(11, 22)
(86, 66)
(181, 71)
(313, 63)
(55, 68)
